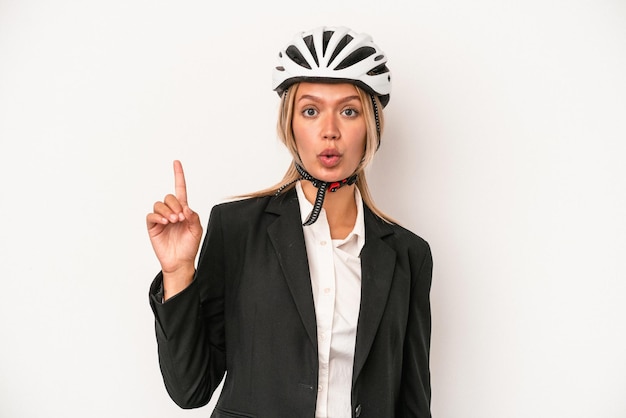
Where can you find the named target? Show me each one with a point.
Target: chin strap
(377, 119)
(322, 188)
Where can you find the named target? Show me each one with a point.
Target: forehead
(327, 91)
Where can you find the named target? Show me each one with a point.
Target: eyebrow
(318, 99)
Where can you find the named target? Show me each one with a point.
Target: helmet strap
(322, 188)
(375, 106)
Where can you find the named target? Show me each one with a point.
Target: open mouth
(329, 158)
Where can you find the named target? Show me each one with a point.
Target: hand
(175, 233)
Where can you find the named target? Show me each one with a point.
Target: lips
(329, 157)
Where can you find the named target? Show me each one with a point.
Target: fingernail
(181, 216)
(173, 218)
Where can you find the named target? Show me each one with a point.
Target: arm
(416, 392)
(187, 304)
(190, 327)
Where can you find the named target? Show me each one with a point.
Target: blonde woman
(306, 297)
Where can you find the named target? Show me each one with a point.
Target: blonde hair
(285, 133)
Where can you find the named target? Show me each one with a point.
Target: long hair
(285, 133)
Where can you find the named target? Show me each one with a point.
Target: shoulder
(408, 236)
(247, 210)
(414, 246)
(394, 234)
(238, 211)
(250, 204)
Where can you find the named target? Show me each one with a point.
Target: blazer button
(357, 411)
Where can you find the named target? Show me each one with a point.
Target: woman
(309, 299)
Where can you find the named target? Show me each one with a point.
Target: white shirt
(335, 269)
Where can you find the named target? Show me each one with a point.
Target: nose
(330, 128)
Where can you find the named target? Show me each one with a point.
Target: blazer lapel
(377, 267)
(288, 240)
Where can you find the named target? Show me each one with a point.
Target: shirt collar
(359, 226)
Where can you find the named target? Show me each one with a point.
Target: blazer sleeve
(416, 392)
(190, 326)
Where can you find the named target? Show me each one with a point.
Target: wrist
(177, 280)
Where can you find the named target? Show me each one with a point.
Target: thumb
(195, 227)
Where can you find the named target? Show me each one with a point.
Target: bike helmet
(334, 54)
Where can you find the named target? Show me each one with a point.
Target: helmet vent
(356, 56)
(340, 46)
(381, 69)
(325, 39)
(295, 55)
(308, 40)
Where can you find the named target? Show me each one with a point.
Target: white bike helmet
(334, 54)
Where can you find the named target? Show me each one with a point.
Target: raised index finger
(180, 187)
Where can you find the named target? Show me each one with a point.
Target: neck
(339, 206)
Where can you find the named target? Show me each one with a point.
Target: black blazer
(249, 313)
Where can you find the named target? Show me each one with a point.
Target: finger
(165, 211)
(180, 186)
(153, 219)
(175, 205)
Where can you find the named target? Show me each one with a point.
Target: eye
(309, 112)
(350, 112)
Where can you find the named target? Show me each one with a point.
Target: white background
(505, 149)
